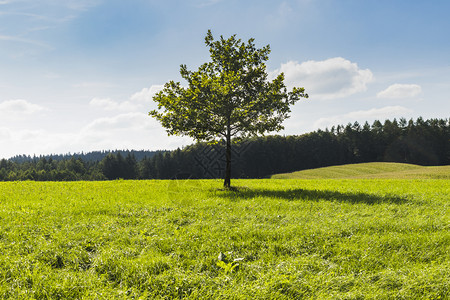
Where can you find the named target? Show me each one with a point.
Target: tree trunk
(227, 182)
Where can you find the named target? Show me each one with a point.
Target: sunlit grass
(280, 239)
(371, 170)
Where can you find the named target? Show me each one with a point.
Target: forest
(422, 142)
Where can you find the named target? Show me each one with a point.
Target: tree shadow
(243, 193)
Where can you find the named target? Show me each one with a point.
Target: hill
(371, 170)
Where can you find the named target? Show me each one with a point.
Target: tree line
(423, 142)
(93, 156)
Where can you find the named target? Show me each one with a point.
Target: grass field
(269, 239)
(371, 170)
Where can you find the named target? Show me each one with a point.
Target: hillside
(371, 170)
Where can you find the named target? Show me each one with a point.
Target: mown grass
(371, 170)
(277, 239)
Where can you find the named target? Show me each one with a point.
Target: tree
(230, 96)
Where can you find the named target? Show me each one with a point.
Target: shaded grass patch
(243, 193)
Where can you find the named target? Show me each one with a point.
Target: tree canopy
(230, 96)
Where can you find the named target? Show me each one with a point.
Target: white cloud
(22, 40)
(139, 101)
(397, 90)
(19, 107)
(361, 116)
(128, 121)
(31, 141)
(284, 9)
(132, 130)
(108, 104)
(5, 133)
(146, 94)
(327, 79)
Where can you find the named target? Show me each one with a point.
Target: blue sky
(79, 75)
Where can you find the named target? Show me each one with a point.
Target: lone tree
(230, 96)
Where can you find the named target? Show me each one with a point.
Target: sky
(79, 75)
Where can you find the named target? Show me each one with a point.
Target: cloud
(146, 94)
(327, 79)
(284, 9)
(370, 115)
(397, 91)
(108, 104)
(105, 103)
(19, 107)
(127, 121)
(22, 40)
(133, 130)
(31, 141)
(5, 133)
(137, 102)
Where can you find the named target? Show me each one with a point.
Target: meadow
(267, 239)
(378, 170)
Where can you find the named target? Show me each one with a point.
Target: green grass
(371, 170)
(291, 239)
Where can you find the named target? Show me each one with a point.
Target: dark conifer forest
(422, 142)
